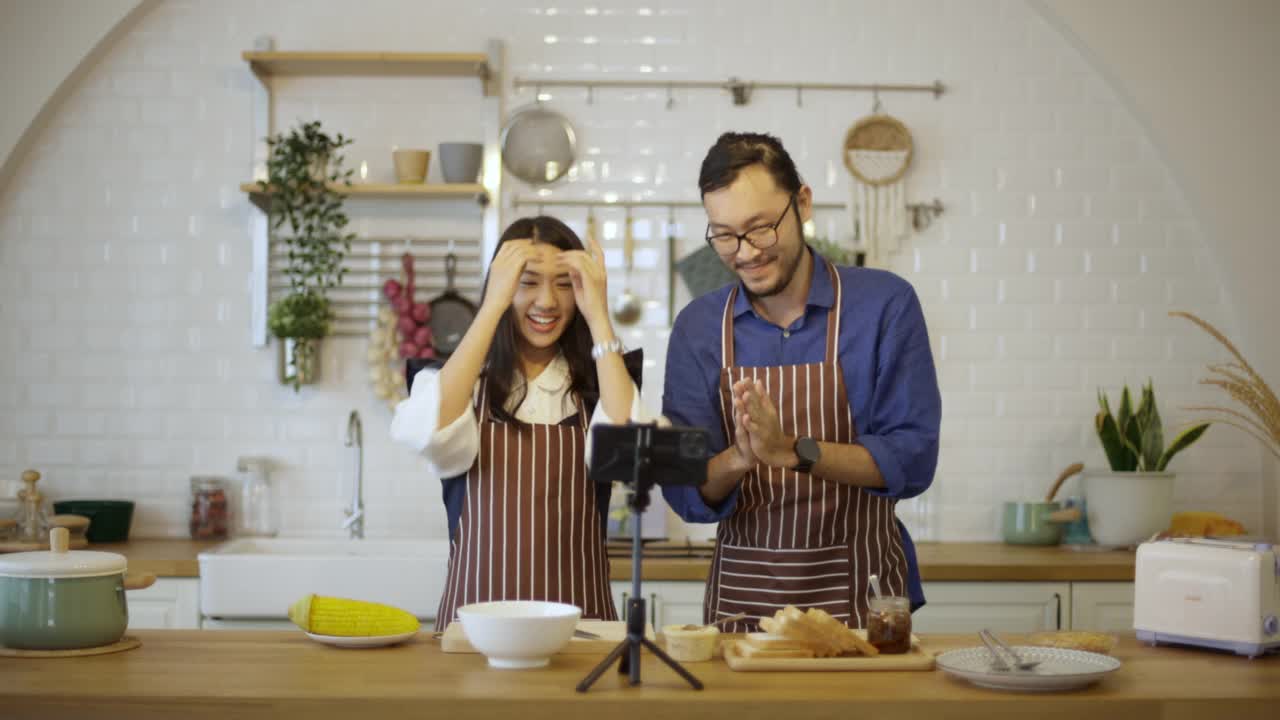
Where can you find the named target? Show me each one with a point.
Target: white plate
(1059, 669)
(362, 642)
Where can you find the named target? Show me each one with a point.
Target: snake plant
(1133, 439)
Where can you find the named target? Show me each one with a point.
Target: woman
(505, 423)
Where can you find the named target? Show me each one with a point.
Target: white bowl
(519, 634)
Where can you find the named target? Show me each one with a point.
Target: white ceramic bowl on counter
(518, 634)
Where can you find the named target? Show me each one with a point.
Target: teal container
(64, 600)
(1028, 523)
(109, 520)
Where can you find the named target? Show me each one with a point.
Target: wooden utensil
(1070, 470)
(628, 307)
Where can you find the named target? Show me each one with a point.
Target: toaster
(1209, 593)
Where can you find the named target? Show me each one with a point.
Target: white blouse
(452, 449)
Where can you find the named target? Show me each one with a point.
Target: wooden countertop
(248, 674)
(164, 557)
(938, 561)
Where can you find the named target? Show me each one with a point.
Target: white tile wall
(124, 256)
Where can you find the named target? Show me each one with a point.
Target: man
(818, 387)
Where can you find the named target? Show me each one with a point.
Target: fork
(999, 663)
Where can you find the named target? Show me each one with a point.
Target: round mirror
(539, 145)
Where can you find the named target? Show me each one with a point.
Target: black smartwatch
(807, 450)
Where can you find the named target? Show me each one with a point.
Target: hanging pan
(451, 313)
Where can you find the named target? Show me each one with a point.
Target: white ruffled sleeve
(449, 450)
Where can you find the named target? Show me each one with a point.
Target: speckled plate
(1059, 669)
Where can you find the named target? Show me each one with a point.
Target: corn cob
(325, 615)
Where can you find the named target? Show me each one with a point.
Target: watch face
(807, 450)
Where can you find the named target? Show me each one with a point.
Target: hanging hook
(876, 107)
(799, 96)
(671, 98)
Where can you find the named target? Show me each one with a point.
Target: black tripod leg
(671, 663)
(598, 670)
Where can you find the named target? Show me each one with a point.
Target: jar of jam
(889, 625)
(209, 515)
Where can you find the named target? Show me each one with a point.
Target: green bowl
(109, 520)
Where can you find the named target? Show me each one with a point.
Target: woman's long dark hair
(501, 363)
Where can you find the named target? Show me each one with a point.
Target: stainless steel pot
(63, 600)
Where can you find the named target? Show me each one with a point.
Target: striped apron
(529, 528)
(796, 539)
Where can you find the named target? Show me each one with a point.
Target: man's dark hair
(735, 151)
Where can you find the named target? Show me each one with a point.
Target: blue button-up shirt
(884, 356)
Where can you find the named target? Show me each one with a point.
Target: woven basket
(879, 133)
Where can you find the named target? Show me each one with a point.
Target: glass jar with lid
(889, 624)
(209, 509)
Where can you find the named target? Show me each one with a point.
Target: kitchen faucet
(354, 522)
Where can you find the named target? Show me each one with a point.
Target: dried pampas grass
(1246, 387)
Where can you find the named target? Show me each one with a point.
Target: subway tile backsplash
(125, 256)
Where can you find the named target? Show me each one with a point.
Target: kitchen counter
(194, 674)
(938, 562)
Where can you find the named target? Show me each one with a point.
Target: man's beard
(787, 274)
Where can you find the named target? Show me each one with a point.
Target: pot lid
(59, 562)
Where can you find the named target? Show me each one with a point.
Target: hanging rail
(741, 90)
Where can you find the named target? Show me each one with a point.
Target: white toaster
(1211, 593)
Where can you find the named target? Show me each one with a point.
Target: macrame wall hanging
(877, 152)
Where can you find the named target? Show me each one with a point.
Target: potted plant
(303, 166)
(1134, 500)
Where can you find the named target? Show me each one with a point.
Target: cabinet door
(1102, 606)
(1014, 607)
(679, 603)
(667, 603)
(172, 603)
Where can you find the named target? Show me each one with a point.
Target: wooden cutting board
(918, 659)
(611, 633)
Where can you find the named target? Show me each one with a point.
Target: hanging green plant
(303, 169)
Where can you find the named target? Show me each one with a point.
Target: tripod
(628, 651)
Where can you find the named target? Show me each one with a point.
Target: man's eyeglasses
(760, 238)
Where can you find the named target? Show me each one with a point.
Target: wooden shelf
(295, 63)
(391, 191)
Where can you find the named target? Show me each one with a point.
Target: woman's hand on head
(505, 271)
(590, 285)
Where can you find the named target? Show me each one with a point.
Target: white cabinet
(1102, 606)
(171, 603)
(1014, 607)
(669, 602)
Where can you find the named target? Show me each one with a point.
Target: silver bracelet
(599, 349)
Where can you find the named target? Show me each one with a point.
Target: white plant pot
(1126, 508)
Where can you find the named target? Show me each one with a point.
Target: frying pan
(451, 313)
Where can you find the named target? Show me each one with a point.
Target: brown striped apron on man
(529, 529)
(795, 539)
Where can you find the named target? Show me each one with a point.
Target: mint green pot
(64, 600)
(62, 613)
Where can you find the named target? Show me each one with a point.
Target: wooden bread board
(611, 633)
(918, 659)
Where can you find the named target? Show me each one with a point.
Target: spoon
(721, 621)
(999, 663)
(875, 585)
